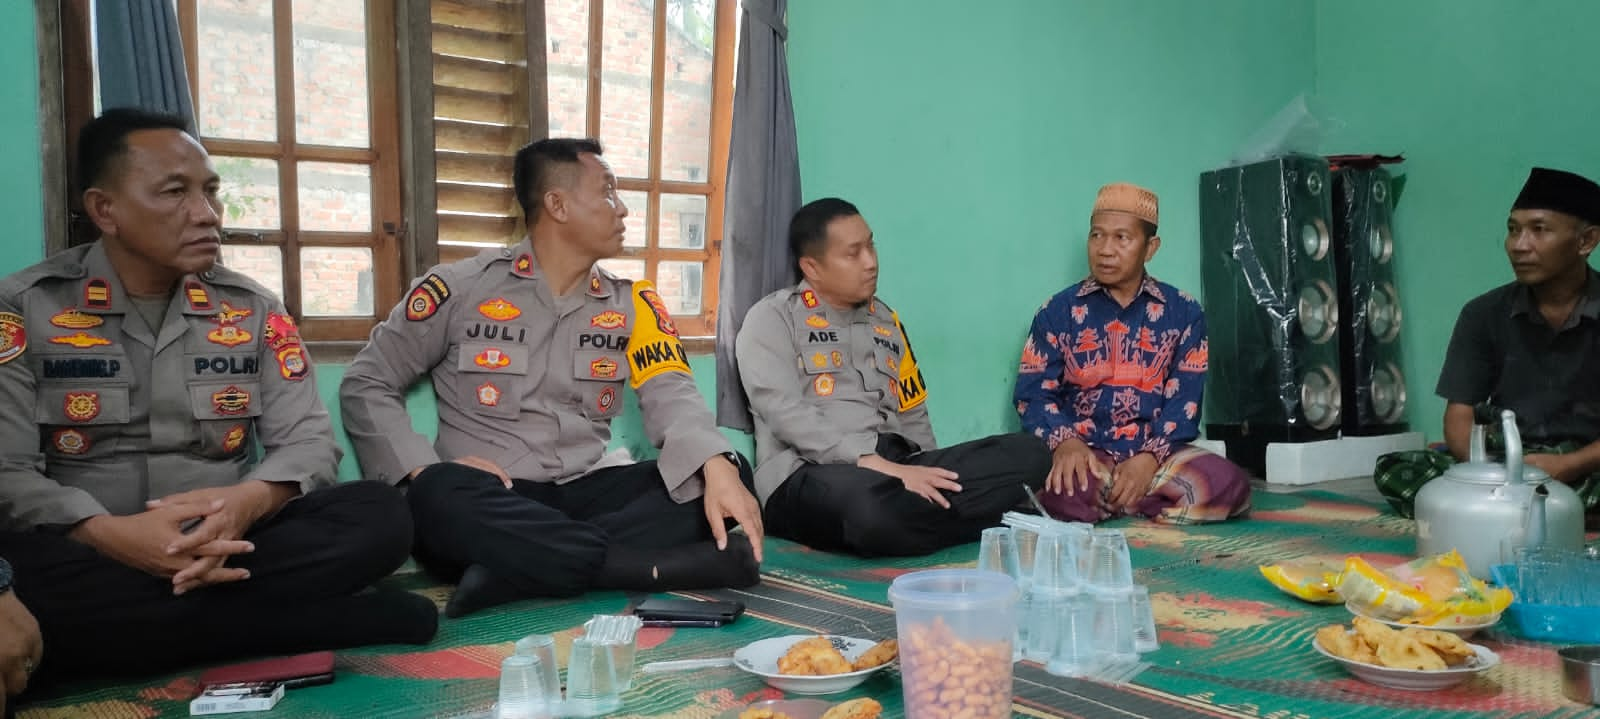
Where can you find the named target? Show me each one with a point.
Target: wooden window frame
(714, 189)
(381, 156)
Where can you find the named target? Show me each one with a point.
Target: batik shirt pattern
(1124, 380)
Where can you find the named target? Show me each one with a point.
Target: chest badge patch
(80, 340)
(230, 315)
(228, 336)
(70, 442)
(838, 358)
(488, 395)
(81, 406)
(499, 310)
(882, 331)
(822, 385)
(72, 319)
(817, 321)
(491, 359)
(608, 320)
(819, 360)
(234, 439)
(230, 401)
(607, 398)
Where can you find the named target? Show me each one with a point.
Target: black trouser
(99, 616)
(844, 508)
(547, 539)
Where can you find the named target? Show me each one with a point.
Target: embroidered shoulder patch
(13, 337)
(426, 298)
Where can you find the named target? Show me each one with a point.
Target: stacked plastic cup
(522, 692)
(542, 647)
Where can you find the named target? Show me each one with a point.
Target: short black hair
(534, 167)
(808, 229)
(104, 140)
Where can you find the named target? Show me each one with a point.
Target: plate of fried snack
(813, 664)
(809, 709)
(1413, 658)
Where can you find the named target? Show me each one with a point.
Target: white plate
(1460, 630)
(1417, 680)
(761, 659)
(794, 708)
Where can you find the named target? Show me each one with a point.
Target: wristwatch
(5, 577)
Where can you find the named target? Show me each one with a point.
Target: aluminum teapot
(1486, 511)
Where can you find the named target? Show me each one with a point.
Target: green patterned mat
(1232, 646)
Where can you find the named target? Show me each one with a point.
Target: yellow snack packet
(1308, 579)
(1430, 591)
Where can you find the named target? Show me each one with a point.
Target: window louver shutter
(480, 109)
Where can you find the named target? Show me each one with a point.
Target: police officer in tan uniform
(165, 460)
(530, 349)
(846, 456)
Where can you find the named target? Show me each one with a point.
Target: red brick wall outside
(237, 101)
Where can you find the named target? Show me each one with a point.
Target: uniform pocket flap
(90, 404)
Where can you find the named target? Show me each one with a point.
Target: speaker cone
(1319, 397)
(1319, 312)
(1388, 393)
(1383, 312)
(1380, 244)
(1314, 239)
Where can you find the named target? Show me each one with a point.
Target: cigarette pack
(237, 697)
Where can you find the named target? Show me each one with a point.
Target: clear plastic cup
(522, 693)
(593, 688)
(619, 633)
(1113, 625)
(997, 552)
(964, 619)
(1144, 621)
(1074, 654)
(543, 648)
(1043, 620)
(1110, 567)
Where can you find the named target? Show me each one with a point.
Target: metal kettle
(1486, 511)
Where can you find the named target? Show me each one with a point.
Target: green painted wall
(1474, 92)
(973, 137)
(20, 185)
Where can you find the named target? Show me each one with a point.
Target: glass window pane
(625, 54)
(249, 193)
(686, 97)
(683, 222)
(679, 284)
(336, 281)
(637, 223)
(626, 269)
(335, 197)
(330, 72)
(567, 30)
(262, 263)
(237, 94)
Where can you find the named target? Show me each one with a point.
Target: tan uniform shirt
(526, 379)
(98, 413)
(823, 384)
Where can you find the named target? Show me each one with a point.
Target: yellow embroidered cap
(1129, 198)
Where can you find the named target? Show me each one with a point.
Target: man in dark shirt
(1531, 346)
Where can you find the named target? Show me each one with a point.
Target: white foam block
(1309, 462)
(1214, 446)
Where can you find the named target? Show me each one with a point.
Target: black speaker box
(1369, 304)
(1272, 310)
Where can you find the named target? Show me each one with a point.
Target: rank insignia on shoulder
(523, 266)
(199, 300)
(810, 299)
(97, 294)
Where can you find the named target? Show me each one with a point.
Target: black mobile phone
(308, 681)
(688, 612)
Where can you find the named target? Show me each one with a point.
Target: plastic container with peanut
(955, 628)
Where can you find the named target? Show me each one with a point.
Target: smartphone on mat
(296, 671)
(687, 612)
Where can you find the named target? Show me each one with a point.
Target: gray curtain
(763, 193)
(141, 57)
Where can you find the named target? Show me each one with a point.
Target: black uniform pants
(845, 508)
(547, 539)
(100, 617)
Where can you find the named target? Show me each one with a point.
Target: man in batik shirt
(1111, 378)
